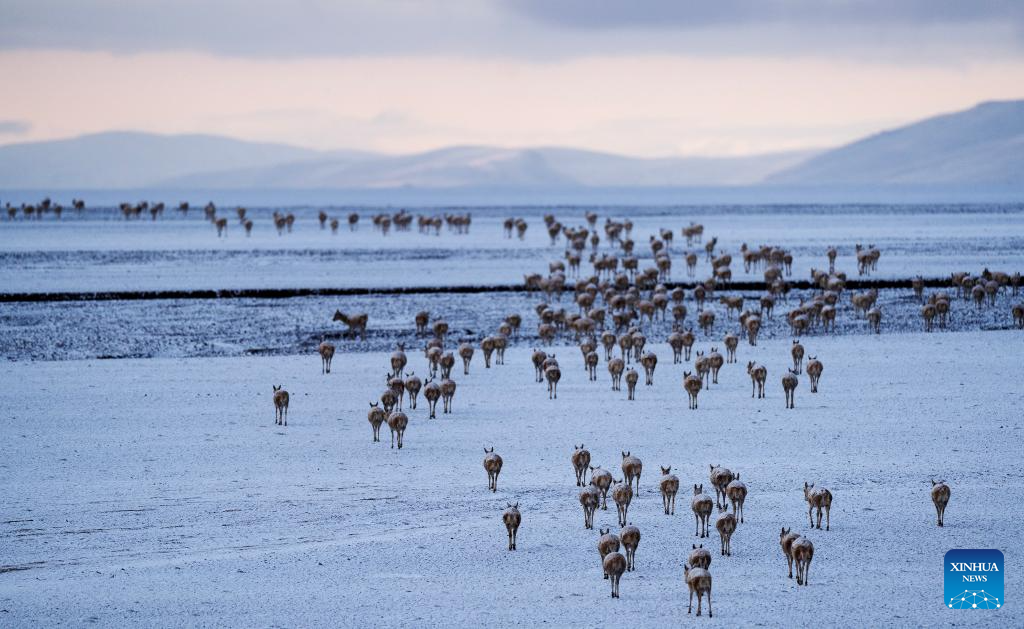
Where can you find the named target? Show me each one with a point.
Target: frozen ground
(159, 492)
(236, 327)
(98, 251)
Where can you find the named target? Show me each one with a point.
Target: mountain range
(980, 146)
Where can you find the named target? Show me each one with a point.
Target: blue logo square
(973, 578)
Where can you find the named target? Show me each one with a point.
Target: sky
(639, 77)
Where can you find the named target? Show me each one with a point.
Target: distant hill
(129, 160)
(982, 145)
(475, 166)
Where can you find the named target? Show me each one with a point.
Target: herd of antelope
(631, 299)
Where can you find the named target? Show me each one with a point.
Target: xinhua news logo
(974, 578)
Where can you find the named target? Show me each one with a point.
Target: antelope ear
(517, 505)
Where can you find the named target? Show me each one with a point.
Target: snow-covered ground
(98, 251)
(159, 492)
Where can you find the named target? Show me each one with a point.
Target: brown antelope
(538, 357)
(874, 317)
(399, 360)
(512, 518)
(466, 353)
(758, 376)
(446, 363)
(928, 314)
(632, 377)
(602, 479)
(397, 385)
(706, 319)
(720, 478)
(492, 465)
(422, 318)
(940, 496)
(607, 543)
(608, 342)
(553, 374)
(630, 536)
(814, 368)
(803, 552)
(669, 487)
(632, 467)
(388, 400)
(622, 494)
(798, 356)
(789, 382)
(356, 323)
(326, 356)
(688, 340)
(675, 341)
(222, 227)
(615, 368)
(447, 392)
(693, 385)
(737, 493)
(591, 361)
(715, 362)
(413, 384)
(590, 499)
(397, 422)
(580, 463)
(703, 368)
(487, 346)
(753, 326)
(726, 526)
(280, 405)
(626, 345)
(820, 499)
(432, 393)
(698, 580)
(700, 557)
(731, 343)
(1018, 315)
(614, 565)
(786, 539)
(649, 360)
(702, 506)
(376, 418)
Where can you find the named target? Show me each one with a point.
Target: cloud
(537, 30)
(14, 127)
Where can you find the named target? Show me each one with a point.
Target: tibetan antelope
(512, 518)
(726, 525)
(630, 536)
(940, 496)
(798, 356)
(376, 417)
(814, 368)
(602, 479)
(693, 385)
(326, 356)
(492, 465)
(698, 580)
(820, 499)
(280, 405)
(758, 376)
(580, 463)
(622, 494)
(737, 493)
(669, 487)
(614, 565)
(397, 422)
(702, 506)
(590, 499)
(607, 543)
(789, 382)
(803, 551)
(720, 478)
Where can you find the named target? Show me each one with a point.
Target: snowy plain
(159, 491)
(152, 487)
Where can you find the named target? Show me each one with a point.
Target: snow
(100, 251)
(159, 492)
